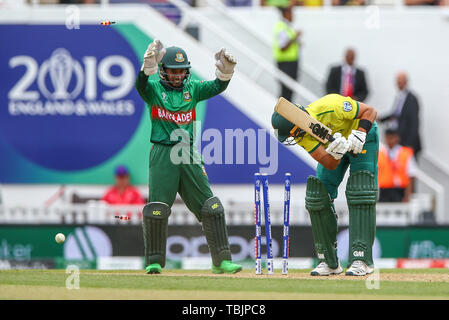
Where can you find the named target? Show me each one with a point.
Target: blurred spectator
(421, 2)
(278, 3)
(309, 3)
(397, 168)
(286, 48)
(405, 115)
(79, 1)
(238, 3)
(348, 2)
(123, 192)
(426, 2)
(313, 3)
(347, 79)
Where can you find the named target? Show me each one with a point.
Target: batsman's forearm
(329, 162)
(324, 158)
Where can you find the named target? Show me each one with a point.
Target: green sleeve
(209, 89)
(357, 112)
(143, 87)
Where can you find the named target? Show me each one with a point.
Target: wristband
(223, 76)
(365, 124)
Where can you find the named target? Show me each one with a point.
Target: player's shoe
(322, 269)
(227, 266)
(153, 268)
(359, 268)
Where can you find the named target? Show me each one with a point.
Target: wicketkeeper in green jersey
(172, 101)
(354, 127)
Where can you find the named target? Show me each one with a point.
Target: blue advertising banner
(70, 113)
(65, 99)
(69, 102)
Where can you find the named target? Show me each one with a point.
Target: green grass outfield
(203, 285)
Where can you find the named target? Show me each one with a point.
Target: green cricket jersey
(172, 109)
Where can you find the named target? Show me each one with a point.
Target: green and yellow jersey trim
(314, 148)
(357, 112)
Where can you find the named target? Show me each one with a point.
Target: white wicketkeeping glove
(225, 63)
(338, 147)
(152, 57)
(356, 141)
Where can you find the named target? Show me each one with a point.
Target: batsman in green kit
(356, 146)
(172, 101)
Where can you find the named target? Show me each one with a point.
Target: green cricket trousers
(167, 177)
(179, 169)
(363, 161)
(361, 195)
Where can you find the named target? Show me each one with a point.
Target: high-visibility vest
(291, 53)
(392, 173)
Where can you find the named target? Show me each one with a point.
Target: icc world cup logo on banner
(71, 105)
(61, 68)
(60, 80)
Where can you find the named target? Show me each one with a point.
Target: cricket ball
(60, 238)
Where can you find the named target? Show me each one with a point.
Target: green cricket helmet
(174, 58)
(284, 128)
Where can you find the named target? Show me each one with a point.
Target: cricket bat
(303, 121)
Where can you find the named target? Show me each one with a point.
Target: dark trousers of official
(391, 194)
(291, 69)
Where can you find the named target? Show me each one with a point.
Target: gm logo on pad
(359, 254)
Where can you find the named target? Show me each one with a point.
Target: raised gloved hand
(152, 57)
(338, 147)
(225, 63)
(356, 141)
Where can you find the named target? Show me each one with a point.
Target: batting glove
(338, 147)
(356, 141)
(152, 57)
(225, 63)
